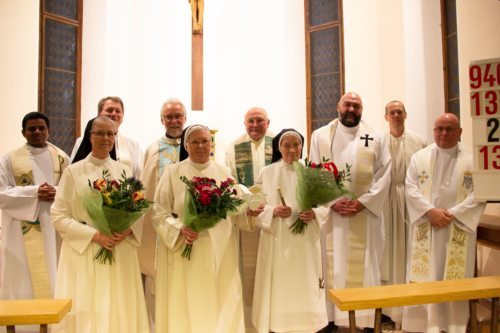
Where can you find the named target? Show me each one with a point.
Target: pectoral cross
(366, 138)
(197, 55)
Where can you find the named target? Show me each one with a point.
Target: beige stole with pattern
(358, 223)
(32, 233)
(456, 253)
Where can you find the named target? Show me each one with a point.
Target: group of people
(408, 205)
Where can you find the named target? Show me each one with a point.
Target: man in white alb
(28, 183)
(402, 143)
(245, 157)
(354, 235)
(161, 153)
(128, 151)
(443, 221)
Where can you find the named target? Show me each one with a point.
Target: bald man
(354, 234)
(443, 220)
(245, 157)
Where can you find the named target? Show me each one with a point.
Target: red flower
(205, 199)
(115, 185)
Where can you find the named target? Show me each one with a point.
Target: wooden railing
(32, 312)
(417, 293)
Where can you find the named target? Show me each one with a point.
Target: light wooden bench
(32, 312)
(418, 293)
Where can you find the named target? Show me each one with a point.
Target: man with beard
(161, 153)
(354, 235)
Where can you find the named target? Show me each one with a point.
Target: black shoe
(368, 330)
(330, 328)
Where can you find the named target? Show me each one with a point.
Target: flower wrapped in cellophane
(114, 205)
(318, 184)
(206, 204)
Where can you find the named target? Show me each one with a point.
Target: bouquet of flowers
(318, 184)
(206, 203)
(114, 205)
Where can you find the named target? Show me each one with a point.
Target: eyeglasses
(197, 143)
(256, 121)
(173, 117)
(103, 134)
(445, 129)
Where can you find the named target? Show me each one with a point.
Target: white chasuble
(440, 178)
(364, 149)
(21, 173)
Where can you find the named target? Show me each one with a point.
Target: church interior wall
(253, 56)
(18, 68)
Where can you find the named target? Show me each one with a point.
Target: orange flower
(100, 184)
(137, 196)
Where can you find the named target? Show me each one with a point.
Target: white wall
(393, 51)
(18, 67)
(253, 56)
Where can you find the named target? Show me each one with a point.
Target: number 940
(484, 74)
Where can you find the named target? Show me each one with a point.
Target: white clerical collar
(351, 130)
(448, 151)
(37, 150)
(199, 166)
(98, 161)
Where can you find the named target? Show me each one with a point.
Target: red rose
(205, 199)
(115, 185)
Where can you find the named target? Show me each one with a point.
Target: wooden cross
(197, 55)
(366, 138)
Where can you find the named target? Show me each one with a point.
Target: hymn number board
(484, 78)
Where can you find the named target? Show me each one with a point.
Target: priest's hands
(189, 235)
(46, 192)
(282, 211)
(347, 207)
(307, 215)
(439, 217)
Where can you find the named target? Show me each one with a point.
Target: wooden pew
(32, 312)
(417, 293)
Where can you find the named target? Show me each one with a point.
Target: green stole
(456, 252)
(357, 224)
(32, 233)
(244, 161)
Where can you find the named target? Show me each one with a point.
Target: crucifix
(366, 138)
(197, 55)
